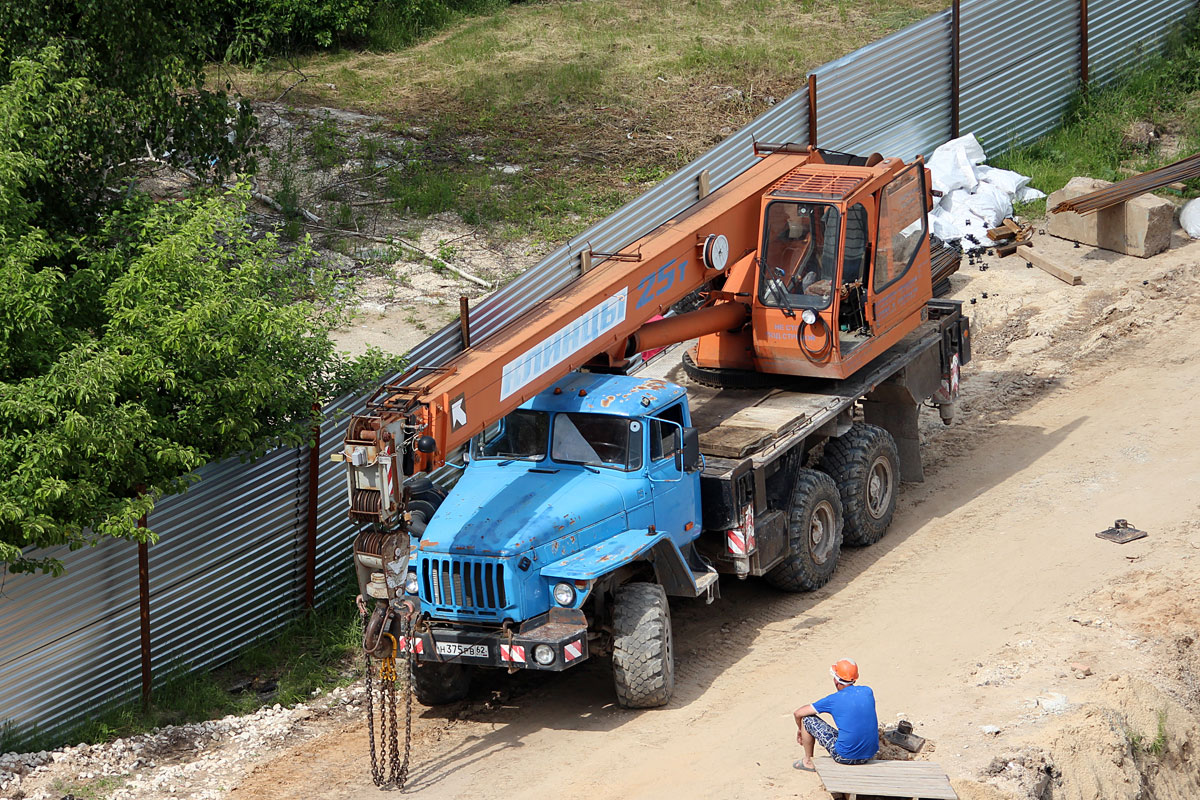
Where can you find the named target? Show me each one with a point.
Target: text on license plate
(456, 649)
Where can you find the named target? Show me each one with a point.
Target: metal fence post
(955, 63)
(812, 110)
(464, 320)
(1083, 44)
(314, 475)
(143, 551)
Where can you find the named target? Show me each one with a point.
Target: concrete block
(1138, 227)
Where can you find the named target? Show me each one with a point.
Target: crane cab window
(799, 254)
(597, 440)
(902, 226)
(520, 435)
(665, 432)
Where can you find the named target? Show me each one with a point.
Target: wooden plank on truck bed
(735, 423)
(925, 780)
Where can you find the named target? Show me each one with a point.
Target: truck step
(706, 584)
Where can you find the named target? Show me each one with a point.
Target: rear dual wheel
(865, 465)
(814, 533)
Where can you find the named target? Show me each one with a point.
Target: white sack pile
(975, 197)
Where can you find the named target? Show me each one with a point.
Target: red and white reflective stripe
(417, 645)
(388, 473)
(572, 651)
(512, 652)
(740, 541)
(748, 527)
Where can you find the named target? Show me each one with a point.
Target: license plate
(456, 649)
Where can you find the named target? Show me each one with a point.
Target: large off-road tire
(814, 534)
(643, 653)
(865, 465)
(425, 498)
(438, 684)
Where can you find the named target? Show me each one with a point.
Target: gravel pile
(201, 760)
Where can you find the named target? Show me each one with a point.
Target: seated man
(855, 740)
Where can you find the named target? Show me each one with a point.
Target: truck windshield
(597, 440)
(522, 434)
(799, 254)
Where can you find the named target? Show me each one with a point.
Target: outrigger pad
(1122, 532)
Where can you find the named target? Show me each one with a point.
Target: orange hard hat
(844, 671)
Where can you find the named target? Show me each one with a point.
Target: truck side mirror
(687, 459)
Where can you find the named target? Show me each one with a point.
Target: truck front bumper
(551, 642)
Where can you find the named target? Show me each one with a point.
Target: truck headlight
(564, 594)
(543, 654)
(808, 316)
(410, 583)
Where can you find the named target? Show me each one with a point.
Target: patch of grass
(325, 141)
(592, 100)
(369, 150)
(1159, 745)
(434, 180)
(316, 650)
(95, 789)
(649, 174)
(1163, 90)
(1139, 743)
(394, 26)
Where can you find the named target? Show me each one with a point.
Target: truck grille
(463, 586)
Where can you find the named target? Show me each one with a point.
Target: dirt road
(969, 613)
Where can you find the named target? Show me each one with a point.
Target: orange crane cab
(841, 272)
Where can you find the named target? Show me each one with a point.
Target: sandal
(800, 765)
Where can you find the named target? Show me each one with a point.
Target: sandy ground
(989, 603)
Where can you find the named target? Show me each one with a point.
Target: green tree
(206, 341)
(138, 341)
(143, 65)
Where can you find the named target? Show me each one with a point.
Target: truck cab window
(902, 226)
(799, 254)
(664, 437)
(520, 435)
(597, 440)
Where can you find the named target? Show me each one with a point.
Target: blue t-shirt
(853, 710)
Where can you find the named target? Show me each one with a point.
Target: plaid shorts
(827, 735)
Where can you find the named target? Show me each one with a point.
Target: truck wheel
(643, 655)
(438, 684)
(864, 463)
(814, 533)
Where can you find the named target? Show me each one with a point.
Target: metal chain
(376, 772)
(393, 771)
(406, 625)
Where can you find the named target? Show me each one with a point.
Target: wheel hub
(880, 485)
(821, 532)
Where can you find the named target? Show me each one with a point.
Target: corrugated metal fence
(252, 540)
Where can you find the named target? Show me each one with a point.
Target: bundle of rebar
(944, 261)
(1131, 187)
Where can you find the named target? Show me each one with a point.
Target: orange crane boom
(604, 317)
(595, 314)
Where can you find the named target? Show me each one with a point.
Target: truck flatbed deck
(758, 424)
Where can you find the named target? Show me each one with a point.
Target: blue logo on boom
(658, 282)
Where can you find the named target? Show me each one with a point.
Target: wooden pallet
(917, 780)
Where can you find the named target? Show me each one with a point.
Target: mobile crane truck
(590, 495)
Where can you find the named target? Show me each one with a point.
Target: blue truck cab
(592, 484)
